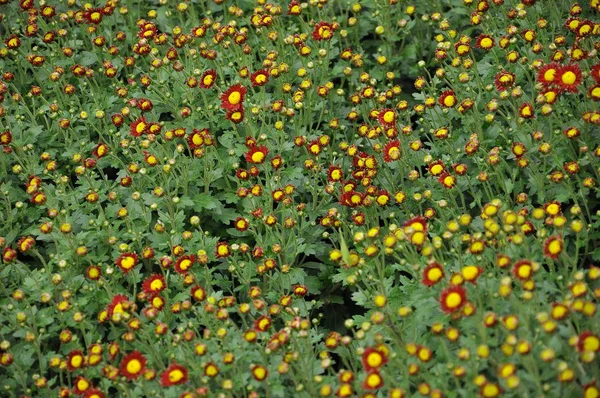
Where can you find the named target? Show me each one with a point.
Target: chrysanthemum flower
(485, 42)
(523, 269)
(547, 73)
(453, 298)
(184, 263)
(447, 180)
(127, 261)
(208, 78)
(94, 393)
(175, 374)
(432, 274)
(259, 372)
(568, 77)
(373, 381)
(211, 369)
(588, 342)
(153, 285)
(222, 250)
(263, 323)
(232, 99)
(75, 360)
(553, 246)
(447, 99)
(257, 154)
(323, 31)
(392, 151)
(138, 127)
(259, 78)
(133, 365)
(373, 359)
(335, 174)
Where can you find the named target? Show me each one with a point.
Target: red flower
(335, 174)
(116, 305)
(553, 246)
(547, 73)
(138, 127)
(236, 116)
(198, 138)
(241, 224)
(94, 393)
(133, 365)
(263, 323)
(323, 31)
(504, 80)
(198, 293)
(373, 359)
(175, 374)
(257, 154)
(595, 72)
(588, 342)
(351, 199)
(453, 298)
(568, 77)
(259, 78)
(448, 180)
(127, 261)
(387, 117)
(447, 99)
(208, 78)
(222, 250)
(75, 360)
(233, 98)
(373, 381)
(100, 150)
(526, 111)
(485, 42)
(432, 274)
(154, 284)
(184, 263)
(259, 372)
(391, 151)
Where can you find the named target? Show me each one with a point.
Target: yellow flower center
(388, 117)
(134, 366)
(374, 359)
(453, 300)
(524, 271)
(76, 361)
(569, 77)
(449, 101)
(549, 75)
(234, 98)
(175, 375)
(127, 262)
(434, 274)
(156, 284)
(82, 385)
(261, 78)
(208, 79)
(555, 247)
(591, 344)
(258, 157)
(486, 42)
(394, 153)
(470, 272)
(260, 373)
(373, 380)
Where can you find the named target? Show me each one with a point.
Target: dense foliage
(323, 198)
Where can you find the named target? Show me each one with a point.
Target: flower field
(362, 198)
